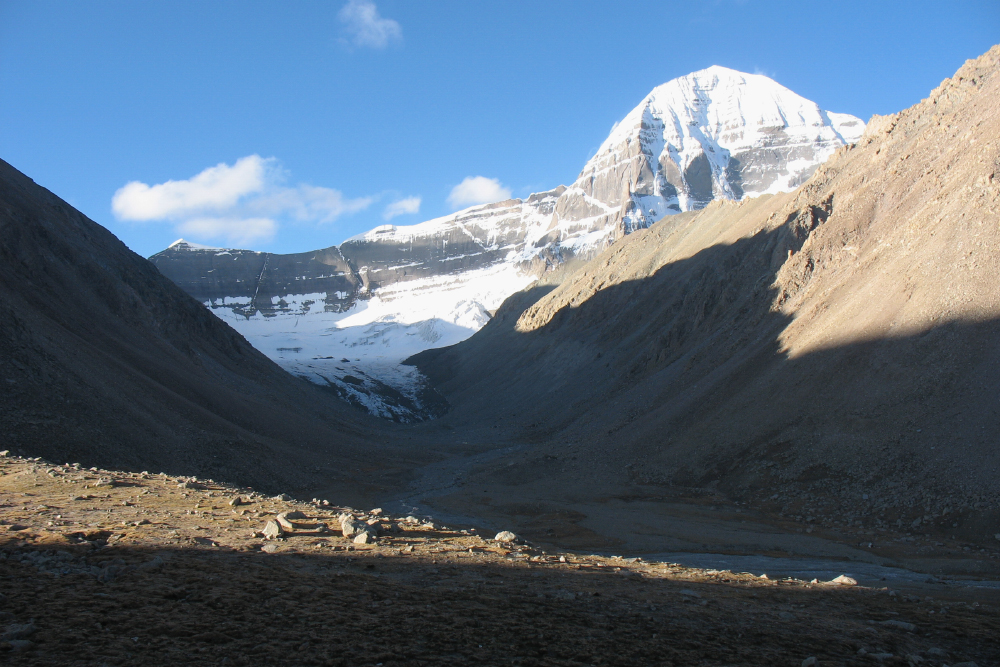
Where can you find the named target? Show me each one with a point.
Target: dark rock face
(247, 281)
(107, 362)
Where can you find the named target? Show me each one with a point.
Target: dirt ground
(102, 567)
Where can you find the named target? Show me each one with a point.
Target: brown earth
(828, 357)
(108, 567)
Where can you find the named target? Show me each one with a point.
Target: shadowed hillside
(108, 362)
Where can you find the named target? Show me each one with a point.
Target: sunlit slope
(847, 332)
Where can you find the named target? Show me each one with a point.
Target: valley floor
(105, 567)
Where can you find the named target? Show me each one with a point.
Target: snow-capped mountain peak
(348, 315)
(715, 133)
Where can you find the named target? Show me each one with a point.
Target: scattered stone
(506, 536)
(348, 525)
(270, 548)
(236, 502)
(18, 631)
(18, 645)
(899, 625)
(284, 497)
(364, 537)
(5, 452)
(272, 530)
(844, 580)
(376, 512)
(283, 521)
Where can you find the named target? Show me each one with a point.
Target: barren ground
(107, 567)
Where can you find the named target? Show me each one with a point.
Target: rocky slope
(344, 317)
(828, 355)
(107, 361)
(106, 567)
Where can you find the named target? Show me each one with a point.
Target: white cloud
(477, 190)
(217, 187)
(240, 203)
(307, 203)
(236, 231)
(366, 27)
(402, 207)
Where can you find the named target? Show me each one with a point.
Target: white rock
(844, 580)
(272, 530)
(349, 526)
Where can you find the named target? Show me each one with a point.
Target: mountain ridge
(825, 353)
(346, 316)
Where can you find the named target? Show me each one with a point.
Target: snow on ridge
(703, 99)
(181, 244)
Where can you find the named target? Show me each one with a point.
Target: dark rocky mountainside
(108, 362)
(831, 353)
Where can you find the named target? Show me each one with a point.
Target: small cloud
(402, 207)
(477, 190)
(241, 203)
(366, 27)
(217, 187)
(235, 231)
(759, 71)
(307, 203)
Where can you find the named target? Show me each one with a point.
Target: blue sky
(292, 126)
